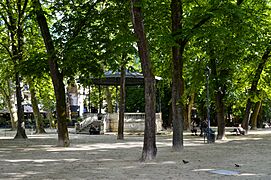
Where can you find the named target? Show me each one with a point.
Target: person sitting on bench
(239, 130)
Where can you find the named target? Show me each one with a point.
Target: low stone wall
(133, 122)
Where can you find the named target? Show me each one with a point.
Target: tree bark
(247, 115)
(149, 147)
(36, 111)
(260, 118)
(254, 85)
(14, 22)
(57, 77)
(189, 110)
(17, 58)
(50, 118)
(185, 117)
(109, 100)
(220, 115)
(11, 107)
(254, 116)
(7, 94)
(177, 79)
(122, 103)
(20, 111)
(219, 95)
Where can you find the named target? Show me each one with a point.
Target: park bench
(238, 130)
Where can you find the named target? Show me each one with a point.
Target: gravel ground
(105, 157)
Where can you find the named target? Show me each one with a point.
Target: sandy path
(104, 157)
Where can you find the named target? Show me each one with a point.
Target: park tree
(122, 102)
(181, 35)
(188, 21)
(34, 68)
(195, 83)
(157, 21)
(177, 76)
(68, 41)
(118, 48)
(222, 53)
(234, 51)
(149, 147)
(255, 114)
(13, 14)
(56, 75)
(254, 84)
(183, 29)
(260, 100)
(27, 31)
(36, 111)
(7, 87)
(46, 97)
(256, 50)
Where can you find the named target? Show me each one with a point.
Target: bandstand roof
(113, 78)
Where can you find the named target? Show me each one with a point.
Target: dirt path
(104, 157)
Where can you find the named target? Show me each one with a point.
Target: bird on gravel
(237, 165)
(185, 162)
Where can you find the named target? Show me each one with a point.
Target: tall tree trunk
(11, 105)
(260, 117)
(170, 116)
(220, 115)
(109, 100)
(36, 111)
(20, 111)
(185, 117)
(149, 147)
(122, 102)
(189, 110)
(177, 79)
(254, 116)
(50, 118)
(219, 89)
(254, 85)
(14, 22)
(247, 115)
(18, 58)
(7, 94)
(57, 77)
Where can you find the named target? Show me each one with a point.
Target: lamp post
(208, 71)
(209, 131)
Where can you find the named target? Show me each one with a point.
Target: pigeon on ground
(185, 162)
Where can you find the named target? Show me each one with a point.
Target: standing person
(203, 126)
(194, 125)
